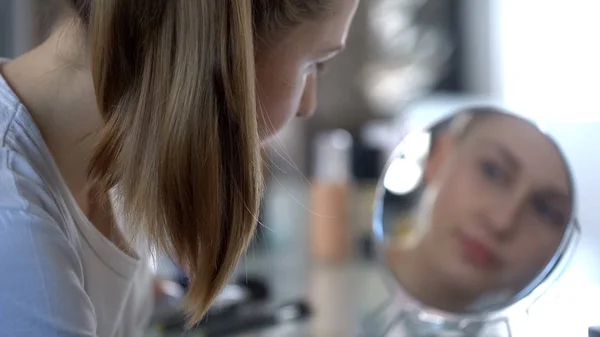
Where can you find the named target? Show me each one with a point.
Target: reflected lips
(478, 253)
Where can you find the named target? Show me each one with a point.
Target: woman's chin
(464, 277)
(266, 136)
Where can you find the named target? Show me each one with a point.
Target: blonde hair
(175, 84)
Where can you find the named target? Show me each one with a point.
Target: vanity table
(339, 295)
(342, 295)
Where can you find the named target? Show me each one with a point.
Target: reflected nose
(308, 101)
(503, 215)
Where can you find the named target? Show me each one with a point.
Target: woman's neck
(57, 89)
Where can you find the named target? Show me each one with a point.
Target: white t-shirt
(60, 276)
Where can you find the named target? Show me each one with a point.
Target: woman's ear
(439, 153)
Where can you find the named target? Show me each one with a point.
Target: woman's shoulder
(28, 180)
(26, 194)
(42, 286)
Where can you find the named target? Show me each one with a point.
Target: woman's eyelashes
(548, 212)
(321, 67)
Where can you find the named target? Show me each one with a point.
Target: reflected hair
(459, 124)
(466, 120)
(175, 86)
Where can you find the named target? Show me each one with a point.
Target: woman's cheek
(283, 103)
(294, 88)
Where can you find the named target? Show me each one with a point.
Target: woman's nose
(308, 101)
(503, 215)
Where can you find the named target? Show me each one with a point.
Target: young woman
(144, 119)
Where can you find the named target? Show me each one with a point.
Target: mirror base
(390, 321)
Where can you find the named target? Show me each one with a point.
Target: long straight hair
(175, 84)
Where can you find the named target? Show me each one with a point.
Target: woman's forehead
(523, 144)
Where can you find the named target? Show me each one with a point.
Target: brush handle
(258, 319)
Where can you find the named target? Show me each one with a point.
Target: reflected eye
(548, 212)
(492, 172)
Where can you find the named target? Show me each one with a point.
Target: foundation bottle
(330, 227)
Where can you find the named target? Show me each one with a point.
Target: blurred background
(406, 62)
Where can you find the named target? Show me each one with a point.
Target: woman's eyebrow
(553, 192)
(505, 152)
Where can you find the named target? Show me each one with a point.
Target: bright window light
(402, 176)
(549, 58)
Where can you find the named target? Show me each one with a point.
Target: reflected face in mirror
(495, 205)
(503, 202)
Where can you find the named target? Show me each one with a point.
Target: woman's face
(287, 71)
(503, 203)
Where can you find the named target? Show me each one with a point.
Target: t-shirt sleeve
(41, 286)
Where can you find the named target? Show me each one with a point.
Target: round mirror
(474, 213)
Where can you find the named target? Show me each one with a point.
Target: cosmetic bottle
(330, 227)
(367, 164)
(366, 170)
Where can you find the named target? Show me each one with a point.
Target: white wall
(540, 56)
(549, 57)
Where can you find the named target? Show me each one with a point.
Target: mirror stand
(392, 320)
